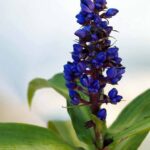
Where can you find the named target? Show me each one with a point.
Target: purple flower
(102, 114)
(88, 3)
(115, 74)
(111, 12)
(112, 52)
(75, 98)
(102, 2)
(85, 8)
(81, 67)
(86, 80)
(81, 18)
(96, 62)
(94, 86)
(77, 48)
(114, 97)
(101, 56)
(111, 73)
(81, 33)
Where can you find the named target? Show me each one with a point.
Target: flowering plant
(93, 56)
(96, 63)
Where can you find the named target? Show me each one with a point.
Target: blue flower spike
(96, 61)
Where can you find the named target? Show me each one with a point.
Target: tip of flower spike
(102, 114)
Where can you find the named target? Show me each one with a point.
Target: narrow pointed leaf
(134, 114)
(57, 82)
(66, 131)
(141, 127)
(35, 85)
(78, 115)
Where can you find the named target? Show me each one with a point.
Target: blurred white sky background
(36, 38)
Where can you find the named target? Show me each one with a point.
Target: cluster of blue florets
(95, 60)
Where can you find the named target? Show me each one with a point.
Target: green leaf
(140, 127)
(66, 131)
(57, 82)
(100, 125)
(130, 120)
(100, 129)
(131, 142)
(135, 130)
(35, 85)
(29, 137)
(78, 115)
